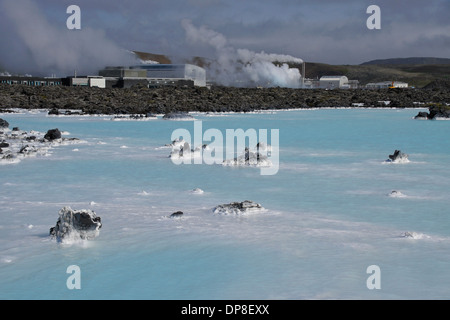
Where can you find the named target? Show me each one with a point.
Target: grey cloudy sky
(35, 38)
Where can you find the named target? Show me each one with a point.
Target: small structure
(387, 85)
(87, 81)
(96, 81)
(79, 81)
(311, 83)
(353, 84)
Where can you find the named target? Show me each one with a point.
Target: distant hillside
(409, 61)
(415, 75)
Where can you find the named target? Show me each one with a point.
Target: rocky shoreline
(142, 100)
(16, 144)
(437, 111)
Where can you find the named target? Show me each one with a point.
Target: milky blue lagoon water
(328, 211)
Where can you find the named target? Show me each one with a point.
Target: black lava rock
(422, 115)
(439, 112)
(54, 112)
(83, 223)
(53, 134)
(177, 116)
(4, 123)
(177, 214)
(397, 156)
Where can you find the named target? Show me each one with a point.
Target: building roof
(158, 66)
(386, 83)
(332, 77)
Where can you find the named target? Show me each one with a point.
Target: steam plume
(242, 67)
(33, 44)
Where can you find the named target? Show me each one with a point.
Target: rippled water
(329, 212)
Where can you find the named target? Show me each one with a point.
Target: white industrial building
(175, 71)
(386, 85)
(89, 81)
(333, 82)
(155, 75)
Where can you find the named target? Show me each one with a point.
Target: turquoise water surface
(328, 214)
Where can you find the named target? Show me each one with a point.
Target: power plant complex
(156, 75)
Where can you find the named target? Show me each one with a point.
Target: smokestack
(303, 74)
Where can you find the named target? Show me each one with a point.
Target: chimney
(303, 74)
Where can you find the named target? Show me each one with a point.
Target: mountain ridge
(408, 61)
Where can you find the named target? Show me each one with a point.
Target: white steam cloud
(38, 45)
(242, 67)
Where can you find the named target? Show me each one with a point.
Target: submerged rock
(142, 117)
(177, 214)
(249, 158)
(398, 157)
(197, 191)
(396, 194)
(178, 116)
(7, 156)
(28, 150)
(422, 115)
(414, 235)
(177, 143)
(237, 208)
(76, 224)
(4, 144)
(182, 149)
(261, 146)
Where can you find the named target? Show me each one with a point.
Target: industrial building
(175, 71)
(85, 81)
(155, 75)
(333, 82)
(330, 83)
(31, 81)
(387, 85)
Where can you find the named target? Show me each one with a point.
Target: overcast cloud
(34, 36)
